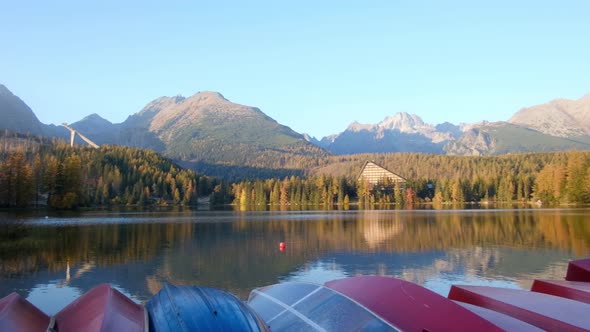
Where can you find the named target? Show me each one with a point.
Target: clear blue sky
(315, 66)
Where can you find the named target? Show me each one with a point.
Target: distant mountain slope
(402, 132)
(206, 130)
(16, 116)
(98, 129)
(502, 138)
(558, 125)
(559, 117)
(207, 127)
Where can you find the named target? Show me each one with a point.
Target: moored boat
(101, 309)
(192, 308)
(408, 306)
(373, 303)
(18, 314)
(297, 306)
(574, 290)
(545, 311)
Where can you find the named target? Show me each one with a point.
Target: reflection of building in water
(379, 227)
(86, 267)
(374, 174)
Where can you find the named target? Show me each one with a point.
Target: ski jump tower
(73, 135)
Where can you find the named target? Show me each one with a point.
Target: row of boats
(370, 303)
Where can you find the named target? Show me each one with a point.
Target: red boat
(350, 304)
(18, 314)
(384, 303)
(101, 309)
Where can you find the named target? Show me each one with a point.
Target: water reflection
(59, 257)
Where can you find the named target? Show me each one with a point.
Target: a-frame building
(374, 174)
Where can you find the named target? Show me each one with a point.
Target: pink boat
(18, 314)
(101, 309)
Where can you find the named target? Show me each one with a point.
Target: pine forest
(41, 172)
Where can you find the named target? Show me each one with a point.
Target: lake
(53, 259)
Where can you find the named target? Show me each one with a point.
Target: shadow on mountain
(392, 141)
(235, 173)
(140, 138)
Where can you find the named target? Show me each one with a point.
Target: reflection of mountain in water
(442, 268)
(238, 252)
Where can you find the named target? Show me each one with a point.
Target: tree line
(558, 177)
(51, 173)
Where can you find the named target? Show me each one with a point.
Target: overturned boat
(372, 303)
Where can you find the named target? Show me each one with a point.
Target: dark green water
(52, 260)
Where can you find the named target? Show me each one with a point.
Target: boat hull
(18, 314)
(192, 308)
(408, 306)
(102, 309)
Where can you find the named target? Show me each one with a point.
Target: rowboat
(193, 308)
(374, 303)
(18, 314)
(386, 303)
(101, 309)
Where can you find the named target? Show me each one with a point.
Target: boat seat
(542, 310)
(574, 290)
(508, 323)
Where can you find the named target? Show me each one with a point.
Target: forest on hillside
(557, 177)
(43, 172)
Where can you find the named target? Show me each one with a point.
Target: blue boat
(194, 308)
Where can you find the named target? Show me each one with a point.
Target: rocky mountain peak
(475, 142)
(559, 117)
(208, 97)
(356, 127)
(403, 122)
(447, 127)
(95, 118)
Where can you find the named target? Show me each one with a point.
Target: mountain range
(206, 128)
(560, 124)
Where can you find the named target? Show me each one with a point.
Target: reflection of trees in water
(52, 248)
(245, 252)
(421, 231)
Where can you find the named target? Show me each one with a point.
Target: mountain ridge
(559, 117)
(556, 125)
(207, 128)
(16, 115)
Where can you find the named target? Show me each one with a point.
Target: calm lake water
(52, 260)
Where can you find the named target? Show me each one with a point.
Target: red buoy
(282, 246)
